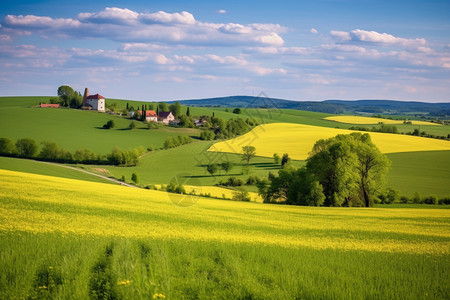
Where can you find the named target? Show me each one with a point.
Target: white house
(95, 102)
(166, 117)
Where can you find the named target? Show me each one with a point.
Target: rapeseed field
(297, 140)
(359, 120)
(76, 232)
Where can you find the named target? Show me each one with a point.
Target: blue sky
(169, 50)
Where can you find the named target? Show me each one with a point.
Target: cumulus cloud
(221, 11)
(125, 25)
(110, 15)
(313, 31)
(374, 37)
(162, 17)
(36, 22)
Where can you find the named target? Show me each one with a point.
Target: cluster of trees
(392, 196)
(176, 141)
(68, 97)
(226, 166)
(383, 128)
(50, 151)
(281, 160)
(125, 158)
(347, 170)
(393, 129)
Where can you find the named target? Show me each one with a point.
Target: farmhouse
(166, 117)
(150, 115)
(95, 102)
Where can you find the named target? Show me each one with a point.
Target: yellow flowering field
(359, 120)
(297, 140)
(42, 204)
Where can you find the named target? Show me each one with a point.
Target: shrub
(231, 181)
(207, 135)
(252, 180)
(237, 110)
(132, 125)
(135, 178)
(430, 200)
(241, 195)
(26, 147)
(110, 124)
(7, 146)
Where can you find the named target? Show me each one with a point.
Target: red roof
(148, 113)
(96, 96)
(50, 105)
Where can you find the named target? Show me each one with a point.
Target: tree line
(50, 151)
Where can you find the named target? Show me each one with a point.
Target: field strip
(43, 204)
(359, 120)
(87, 172)
(297, 140)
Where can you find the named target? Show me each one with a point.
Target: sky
(175, 50)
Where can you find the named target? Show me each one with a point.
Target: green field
(75, 239)
(73, 129)
(427, 173)
(35, 167)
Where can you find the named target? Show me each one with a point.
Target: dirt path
(87, 172)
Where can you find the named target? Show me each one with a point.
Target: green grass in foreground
(143, 268)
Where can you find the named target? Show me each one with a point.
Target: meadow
(78, 238)
(73, 129)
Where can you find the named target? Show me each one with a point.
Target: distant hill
(327, 106)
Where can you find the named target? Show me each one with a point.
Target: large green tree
(65, 93)
(349, 167)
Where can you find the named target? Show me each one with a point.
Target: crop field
(297, 140)
(369, 120)
(74, 129)
(42, 168)
(78, 238)
(424, 172)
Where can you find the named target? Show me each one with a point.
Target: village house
(166, 117)
(95, 102)
(150, 115)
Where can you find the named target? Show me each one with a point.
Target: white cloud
(125, 25)
(37, 22)
(374, 37)
(221, 11)
(111, 15)
(342, 35)
(162, 17)
(313, 31)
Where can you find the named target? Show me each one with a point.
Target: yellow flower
(124, 282)
(159, 296)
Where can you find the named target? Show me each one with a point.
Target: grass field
(369, 120)
(427, 173)
(77, 238)
(297, 140)
(35, 167)
(74, 129)
(188, 164)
